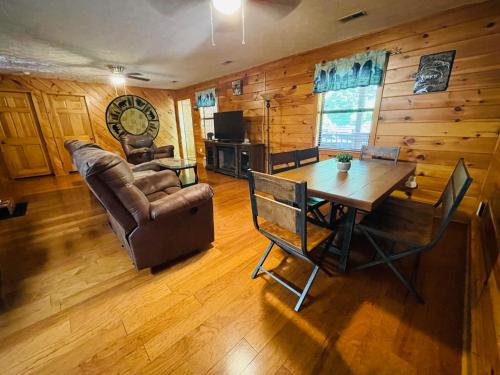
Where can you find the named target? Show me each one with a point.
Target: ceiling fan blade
(134, 74)
(277, 8)
(138, 78)
(292, 3)
(172, 8)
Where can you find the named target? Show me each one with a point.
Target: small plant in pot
(344, 162)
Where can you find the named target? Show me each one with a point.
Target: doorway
(188, 148)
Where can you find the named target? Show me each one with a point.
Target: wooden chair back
(307, 156)
(452, 195)
(281, 202)
(282, 161)
(379, 153)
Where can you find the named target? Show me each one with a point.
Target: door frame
(38, 123)
(181, 128)
(178, 127)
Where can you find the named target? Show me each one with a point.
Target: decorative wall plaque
(237, 87)
(434, 72)
(130, 114)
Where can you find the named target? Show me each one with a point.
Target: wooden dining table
(363, 187)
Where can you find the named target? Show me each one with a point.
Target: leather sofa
(154, 218)
(141, 148)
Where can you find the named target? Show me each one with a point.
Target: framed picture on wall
(434, 72)
(237, 87)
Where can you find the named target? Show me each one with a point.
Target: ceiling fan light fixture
(227, 7)
(117, 79)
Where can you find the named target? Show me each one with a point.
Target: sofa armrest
(166, 151)
(182, 200)
(146, 166)
(168, 148)
(142, 150)
(157, 181)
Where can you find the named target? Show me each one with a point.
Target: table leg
(195, 174)
(178, 173)
(346, 241)
(12, 207)
(332, 217)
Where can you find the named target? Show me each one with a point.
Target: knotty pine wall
(97, 96)
(484, 297)
(432, 129)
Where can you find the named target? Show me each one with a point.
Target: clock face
(130, 114)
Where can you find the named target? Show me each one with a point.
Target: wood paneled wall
(432, 129)
(484, 297)
(97, 96)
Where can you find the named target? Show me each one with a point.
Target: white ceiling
(169, 40)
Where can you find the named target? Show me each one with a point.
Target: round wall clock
(130, 114)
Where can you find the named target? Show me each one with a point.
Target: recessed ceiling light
(27, 73)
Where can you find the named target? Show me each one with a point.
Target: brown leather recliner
(141, 148)
(154, 218)
(139, 170)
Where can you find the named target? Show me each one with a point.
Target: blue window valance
(363, 69)
(205, 98)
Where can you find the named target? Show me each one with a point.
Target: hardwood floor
(73, 303)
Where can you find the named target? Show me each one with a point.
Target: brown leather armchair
(154, 218)
(141, 148)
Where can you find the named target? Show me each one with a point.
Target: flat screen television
(229, 126)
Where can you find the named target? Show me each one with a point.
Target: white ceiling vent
(352, 16)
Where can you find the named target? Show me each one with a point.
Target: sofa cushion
(156, 195)
(162, 193)
(185, 199)
(73, 145)
(156, 181)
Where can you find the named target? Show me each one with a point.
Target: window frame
(374, 120)
(203, 118)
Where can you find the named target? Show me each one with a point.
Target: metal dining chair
(380, 153)
(410, 224)
(305, 157)
(279, 212)
(284, 161)
(385, 153)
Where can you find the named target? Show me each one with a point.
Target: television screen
(229, 126)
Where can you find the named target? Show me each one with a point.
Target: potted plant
(344, 162)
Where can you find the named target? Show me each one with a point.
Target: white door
(186, 128)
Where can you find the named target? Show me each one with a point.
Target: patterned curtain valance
(363, 69)
(205, 98)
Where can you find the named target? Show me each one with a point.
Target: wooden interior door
(70, 120)
(20, 140)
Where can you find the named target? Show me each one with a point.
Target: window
(207, 119)
(345, 118)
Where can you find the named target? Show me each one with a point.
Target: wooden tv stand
(234, 159)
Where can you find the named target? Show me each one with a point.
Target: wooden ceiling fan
(227, 8)
(276, 8)
(118, 76)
